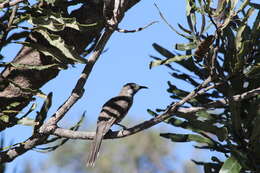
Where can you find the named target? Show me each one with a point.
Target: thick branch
(11, 154)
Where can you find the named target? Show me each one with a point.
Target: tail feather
(95, 146)
(102, 128)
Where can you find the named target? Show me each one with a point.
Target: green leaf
(239, 37)
(254, 70)
(32, 108)
(168, 61)
(256, 27)
(49, 51)
(245, 47)
(231, 165)
(203, 24)
(59, 43)
(152, 112)
(34, 67)
(198, 126)
(166, 53)
(55, 21)
(4, 118)
(26, 121)
(233, 4)
(188, 7)
(184, 47)
(79, 123)
(187, 138)
(220, 8)
(41, 116)
(249, 13)
(257, 6)
(13, 105)
(17, 36)
(243, 5)
(184, 29)
(172, 28)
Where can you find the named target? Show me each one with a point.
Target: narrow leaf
(167, 61)
(187, 46)
(58, 42)
(166, 53)
(187, 138)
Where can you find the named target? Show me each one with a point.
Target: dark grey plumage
(113, 111)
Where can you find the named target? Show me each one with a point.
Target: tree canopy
(219, 61)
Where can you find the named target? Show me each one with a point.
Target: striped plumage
(113, 111)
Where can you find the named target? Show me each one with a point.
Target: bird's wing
(116, 107)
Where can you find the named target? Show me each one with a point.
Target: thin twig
(136, 30)
(167, 23)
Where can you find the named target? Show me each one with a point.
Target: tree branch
(150, 123)
(9, 3)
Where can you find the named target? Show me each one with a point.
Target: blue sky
(126, 60)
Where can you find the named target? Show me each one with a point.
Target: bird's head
(131, 88)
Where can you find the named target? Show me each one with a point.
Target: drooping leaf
(257, 6)
(59, 43)
(184, 29)
(32, 108)
(203, 24)
(56, 22)
(166, 53)
(231, 165)
(172, 28)
(256, 27)
(33, 67)
(152, 112)
(41, 116)
(187, 138)
(167, 61)
(243, 5)
(49, 51)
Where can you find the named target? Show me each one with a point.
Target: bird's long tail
(95, 146)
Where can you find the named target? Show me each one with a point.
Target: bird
(113, 111)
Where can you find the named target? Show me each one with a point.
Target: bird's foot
(124, 127)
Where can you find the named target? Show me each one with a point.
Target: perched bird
(113, 111)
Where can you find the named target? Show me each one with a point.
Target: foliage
(46, 19)
(220, 116)
(226, 47)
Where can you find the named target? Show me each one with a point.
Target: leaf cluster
(46, 19)
(226, 46)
